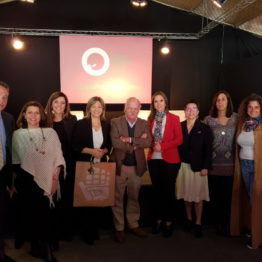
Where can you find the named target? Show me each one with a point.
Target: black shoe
(157, 227)
(219, 230)
(19, 243)
(198, 231)
(89, 240)
(249, 243)
(55, 245)
(188, 226)
(167, 230)
(5, 258)
(36, 249)
(47, 253)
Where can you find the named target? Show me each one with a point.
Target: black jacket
(197, 146)
(83, 137)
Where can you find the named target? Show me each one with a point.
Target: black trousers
(6, 210)
(33, 211)
(163, 176)
(220, 191)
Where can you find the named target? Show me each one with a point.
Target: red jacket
(172, 138)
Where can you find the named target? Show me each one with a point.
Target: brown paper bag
(94, 184)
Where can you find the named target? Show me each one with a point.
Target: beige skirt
(191, 186)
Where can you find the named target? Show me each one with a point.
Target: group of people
(214, 160)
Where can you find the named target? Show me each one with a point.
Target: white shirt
(246, 142)
(97, 140)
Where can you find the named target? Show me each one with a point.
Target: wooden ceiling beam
(186, 5)
(249, 13)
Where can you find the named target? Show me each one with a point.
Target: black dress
(63, 215)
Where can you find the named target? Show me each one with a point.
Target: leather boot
(47, 254)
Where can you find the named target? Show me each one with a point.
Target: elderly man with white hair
(130, 136)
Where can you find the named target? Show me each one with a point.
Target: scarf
(159, 116)
(251, 124)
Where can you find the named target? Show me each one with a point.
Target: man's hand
(125, 139)
(144, 136)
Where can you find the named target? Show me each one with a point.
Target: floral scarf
(251, 123)
(159, 116)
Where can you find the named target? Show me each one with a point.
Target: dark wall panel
(192, 70)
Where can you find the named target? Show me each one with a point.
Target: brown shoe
(120, 236)
(139, 232)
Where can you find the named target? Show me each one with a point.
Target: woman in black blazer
(196, 153)
(91, 142)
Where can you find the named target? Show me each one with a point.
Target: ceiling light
(219, 3)
(28, 1)
(17, 44)
(165, 50)
(139, 3)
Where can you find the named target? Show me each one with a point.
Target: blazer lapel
(167, 127)
(124, 124)
(138, 127)
(89, 127)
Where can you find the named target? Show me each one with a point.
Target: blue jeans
(247, 171)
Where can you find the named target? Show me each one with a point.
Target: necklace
(37, 149)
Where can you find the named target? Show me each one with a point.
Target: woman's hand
(98, 153)
(11, 191)
(157, 147)
(203, 172)
(55, 180)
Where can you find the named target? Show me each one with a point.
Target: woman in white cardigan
(37, 159)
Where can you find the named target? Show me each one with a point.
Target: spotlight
(28, 1)
(219, 3)
(165, 50)
(139, 3)
(17, 44)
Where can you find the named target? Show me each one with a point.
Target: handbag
(94, 184)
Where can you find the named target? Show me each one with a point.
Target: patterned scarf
(251, 123)
(158, 126)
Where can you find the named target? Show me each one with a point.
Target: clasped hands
(98, 152)
(157, 147)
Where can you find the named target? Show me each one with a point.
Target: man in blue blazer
(6, 130)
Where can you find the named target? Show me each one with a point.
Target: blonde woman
(91, 141)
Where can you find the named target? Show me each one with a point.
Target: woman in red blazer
(163, 161)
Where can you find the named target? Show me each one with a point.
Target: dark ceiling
(97, 15)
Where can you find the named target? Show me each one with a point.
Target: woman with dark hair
(60, 118)
(222, 121)
(91, 142)
(246, 213)
(37, 158)
(163, 161)
(196, 158)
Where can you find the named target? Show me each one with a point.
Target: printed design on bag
(96, 185)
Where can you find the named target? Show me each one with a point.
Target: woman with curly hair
(246, 215)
